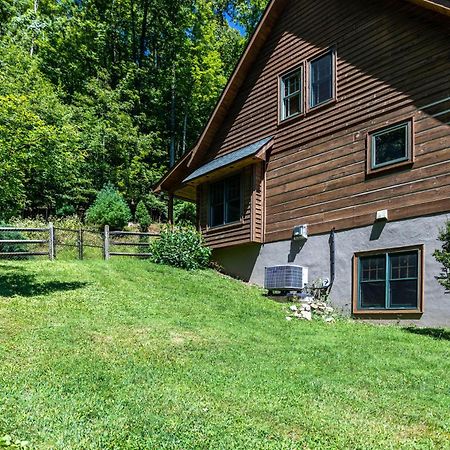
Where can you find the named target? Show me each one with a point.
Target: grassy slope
(126, 354)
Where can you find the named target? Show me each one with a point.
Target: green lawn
(128, 355)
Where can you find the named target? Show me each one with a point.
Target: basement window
(225, 201)
(321, 80)
(291, 94)
(391, 146)
(389, 282)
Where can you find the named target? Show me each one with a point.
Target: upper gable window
(291, 94)
(321, 79)
(391, 146)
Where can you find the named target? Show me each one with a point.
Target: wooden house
(336, 117)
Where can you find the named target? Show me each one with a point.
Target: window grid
(387, 279)
(292, 91)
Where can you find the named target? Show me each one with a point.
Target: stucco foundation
(248, 262)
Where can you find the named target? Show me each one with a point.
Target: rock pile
(309, 308)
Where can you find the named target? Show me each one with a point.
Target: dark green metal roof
(228, 159)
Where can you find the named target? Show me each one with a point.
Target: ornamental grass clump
(181, 247)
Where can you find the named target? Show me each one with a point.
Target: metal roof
(229, 158)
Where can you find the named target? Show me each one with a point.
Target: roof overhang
(224, 165)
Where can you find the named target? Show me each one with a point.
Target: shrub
(11, 235)
(443, 257)
(142, 216)
(157, 207)
(109, 208)
(181, 247)
(184, 213)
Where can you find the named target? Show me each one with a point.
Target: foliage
(184, 213)
(11, 235)
(185, 351)
(109, 208)
(142, 216)
(97, 92)
(443, 257)
(180, 247)
(8, 443)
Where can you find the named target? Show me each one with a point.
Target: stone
(293, 308)
(288, 318)
(306, 307)
(307, 315)
(329, 319)
(314, 305)
(329, 309)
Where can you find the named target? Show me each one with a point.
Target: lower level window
(389, 281)
(225, 201)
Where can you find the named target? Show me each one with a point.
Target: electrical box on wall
(300, 233)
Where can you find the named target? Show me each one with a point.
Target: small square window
(321, 80)
(291, 94)
(389, 281)
(391, 146)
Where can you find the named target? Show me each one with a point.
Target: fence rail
(18, 247)
(56, 242)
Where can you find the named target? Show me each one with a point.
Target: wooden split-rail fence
(53, 242)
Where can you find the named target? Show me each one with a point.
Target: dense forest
(96, 92)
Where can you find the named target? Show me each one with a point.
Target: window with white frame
(292, 94)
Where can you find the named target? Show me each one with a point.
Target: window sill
(391, 314)
(224, 227)
(313, 109)
(291, 119)
(390, 168)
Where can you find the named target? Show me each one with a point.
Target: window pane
(373, 268)
(403, 294)
(294, 106)
(372, 294)
(233, 199)
(390, 145)
(404, 265)
(292, 95)
(321, 72)
(216, 204)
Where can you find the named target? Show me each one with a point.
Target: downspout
(332, 245)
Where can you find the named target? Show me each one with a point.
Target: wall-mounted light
(300, 233)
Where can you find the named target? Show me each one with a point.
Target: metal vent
(286, 278)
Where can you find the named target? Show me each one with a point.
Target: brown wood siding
(393, 62)
(250, 228)
(258, 203)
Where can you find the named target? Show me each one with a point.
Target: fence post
(106, 243)
(80, 243)
(51, 241)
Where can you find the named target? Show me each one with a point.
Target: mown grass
(128, 355)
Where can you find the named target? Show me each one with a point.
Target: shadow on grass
(26, 285)
(436, 333)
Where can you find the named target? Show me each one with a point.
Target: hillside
(126, 354)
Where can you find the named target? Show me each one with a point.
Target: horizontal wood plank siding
(393, 63)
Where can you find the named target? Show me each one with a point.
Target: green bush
(443, 257)
(109, 208)
(184, 213)
(181, 247)
(11, 235)
(142, 216)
